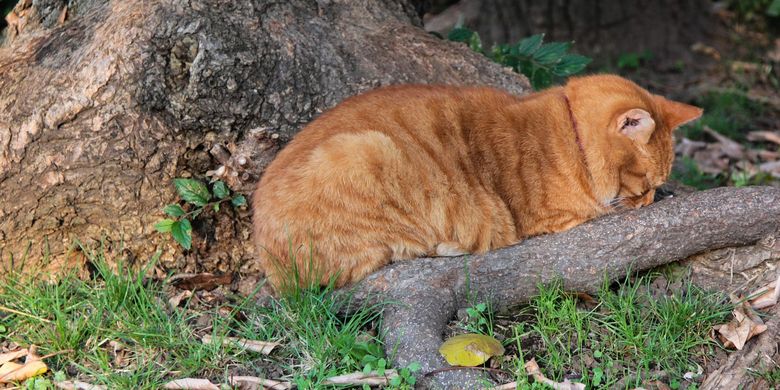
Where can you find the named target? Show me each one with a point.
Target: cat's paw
(449, 249)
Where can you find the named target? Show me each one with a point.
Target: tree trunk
(602, 29)
(103, 103)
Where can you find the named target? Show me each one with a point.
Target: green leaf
(192, 191)
(174, 210)
(395, 381)
(164, 226)
(571, 64)
(238, 201)
(598, 375)
(774, 9)
(541, 78)
(221, 190)
(551, 53)
(216, 207)
(367, 368)
(182, 233)
(528, 46)
(460, 34)
(414, 366)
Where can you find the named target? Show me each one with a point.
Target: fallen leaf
(764, 136)
(255, 383)
(360, 378)
(78, 385)
(174, 301)
(772, 167)
(690, 375)
(13, 355)
(766, 296)
(190, 384)
(263, 347)
(729, 147)
(470, 349)
(13, 372)
(532, 368)
(744, 326)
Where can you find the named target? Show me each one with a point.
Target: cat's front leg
(449, 249)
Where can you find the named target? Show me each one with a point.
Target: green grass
(626, 338)
(771, 376)
(86, 320)
(688, 173)
(730, 113)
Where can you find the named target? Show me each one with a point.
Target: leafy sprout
(198, 197)
(543, 63)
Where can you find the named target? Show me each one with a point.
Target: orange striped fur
(417, 170)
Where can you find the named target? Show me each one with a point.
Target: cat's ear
(636, 124)
(676, 114)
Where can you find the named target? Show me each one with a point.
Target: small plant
(479, 319)
(633, 60)
(688, 173)
(198, 197)
(542, 63)
(405, 378)
(770, 375)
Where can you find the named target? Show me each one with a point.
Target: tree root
(426, 293)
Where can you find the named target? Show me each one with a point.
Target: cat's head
(632, 131)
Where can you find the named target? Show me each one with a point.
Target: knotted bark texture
(103, 103)
(426, 293)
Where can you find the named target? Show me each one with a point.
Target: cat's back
(396, 110)
(382, 175)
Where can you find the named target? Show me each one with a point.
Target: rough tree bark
(103, 103)
(603, 29)
(428, 292)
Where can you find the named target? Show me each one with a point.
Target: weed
(687, 172)
(627, 338)
(199, 198)
(771, 376)
(730, 113)
(116, 330)
(633, 60)
(542, 63)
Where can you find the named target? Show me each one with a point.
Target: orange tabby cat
(416, 170)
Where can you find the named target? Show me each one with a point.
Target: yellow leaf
(470, 349)
(18, 373)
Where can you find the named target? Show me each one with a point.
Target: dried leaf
(8, 356)
(263, 347)
(78, 385)
(764, 136)
(766, 296)
(174, 301)
(255, 383)
(360, 378)
(13, 372)
(532, 368)
(470, 349)
(690, 375)
(744, 326)
(728, 146)
(191, 384)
